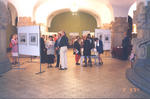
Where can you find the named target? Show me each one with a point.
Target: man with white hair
(63, 50)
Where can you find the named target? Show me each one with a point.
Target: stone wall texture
(119, 27)
(4, 21)
(25, 21)
(142, 20)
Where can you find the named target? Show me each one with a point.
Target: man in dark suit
(42, 49)
(87, 46)
(125, 45)
(57, 49)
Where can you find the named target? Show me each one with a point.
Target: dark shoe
(85, 65)
(61, 69)
(77, 63)
(13, 63)
(91, 65)
(16, 62)
(49, 66)
(65, 68)
(100, 63)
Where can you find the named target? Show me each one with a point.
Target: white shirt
(50, 47)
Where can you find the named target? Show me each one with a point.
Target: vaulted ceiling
(43, 11)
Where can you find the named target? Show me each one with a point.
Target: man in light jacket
(63, 50)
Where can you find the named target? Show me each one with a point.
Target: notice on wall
(85, 33)
(106, 37)
(29, 40)
(72, 37)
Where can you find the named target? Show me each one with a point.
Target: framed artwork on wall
(33, 39)
(23, 38)
(107, 38)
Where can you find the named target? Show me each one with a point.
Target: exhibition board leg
(40, 70)
(31, 59)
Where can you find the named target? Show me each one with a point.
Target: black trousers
(125, 53)
(85, 59)
(58, 60)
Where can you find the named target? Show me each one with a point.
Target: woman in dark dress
(77, 50)
(99, 48)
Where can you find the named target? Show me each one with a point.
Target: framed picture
(107, 38)
(33, 39)
(23, 38)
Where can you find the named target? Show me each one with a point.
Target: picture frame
(107, 38)
(33, 39)
(22, 38)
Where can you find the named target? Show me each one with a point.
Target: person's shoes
(77, 63)
(49, 66)
(90, 64)
(65, 68)
(56, 66)
(13, 63)
(16, 62)
(85, 65)
(100, 63)
(61, 68)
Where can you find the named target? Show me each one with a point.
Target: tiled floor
(107, 81)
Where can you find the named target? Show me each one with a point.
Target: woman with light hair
(14, 51)
(63, 51)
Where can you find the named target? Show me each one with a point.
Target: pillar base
(139, 75)
(5, 65)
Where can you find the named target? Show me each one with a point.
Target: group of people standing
(88, 43)
(58, 45)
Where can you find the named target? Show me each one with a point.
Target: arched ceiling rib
(13, 12)
(55, 13)
(39, 10)
(102, 9)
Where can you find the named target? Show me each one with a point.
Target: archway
(13, 22)
(55, 13)
(101, 10)
(78, 23)
(14, 14)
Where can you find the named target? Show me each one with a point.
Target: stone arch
(14, 13)
(40, 2)
(4, 21)
(55, 13)
(131, 9)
